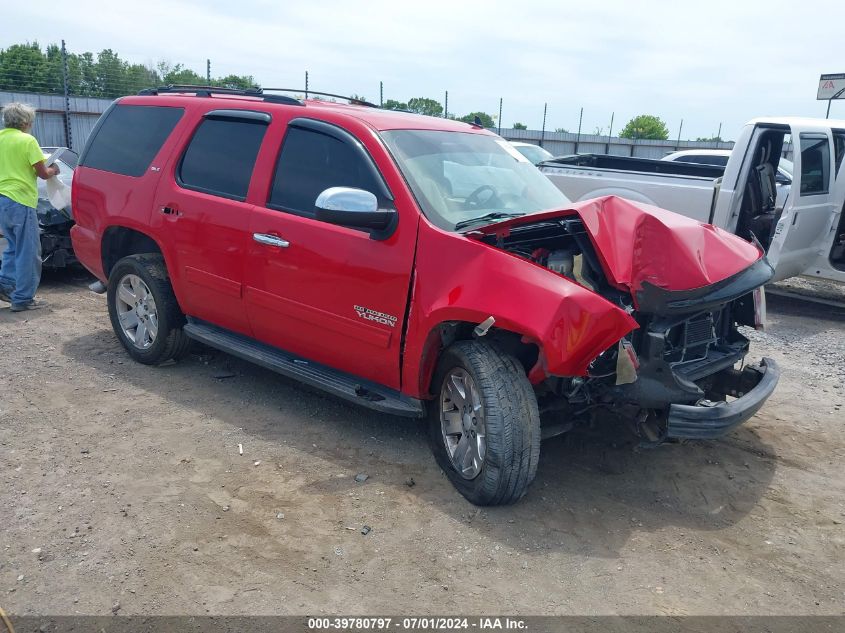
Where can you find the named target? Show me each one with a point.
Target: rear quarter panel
(102, 199)
(689, 196)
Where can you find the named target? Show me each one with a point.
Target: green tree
(562, 129)
(520, 126)
(424, 105)
(26, 68)
(710, 139)
(486, 119)
(23, 68)
(392, 104)
(240, 82)
(645, 126)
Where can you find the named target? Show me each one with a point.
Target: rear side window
(311, 162)
(815, 164)
(221, 156)
(129, 138)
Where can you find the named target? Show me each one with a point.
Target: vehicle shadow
(593, 490)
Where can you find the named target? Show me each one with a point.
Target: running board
(349, 387)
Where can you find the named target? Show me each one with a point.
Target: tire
(510, 424)
(145, 277)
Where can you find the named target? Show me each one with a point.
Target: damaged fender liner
(707, 422)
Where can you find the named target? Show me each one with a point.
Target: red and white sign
(830, 85)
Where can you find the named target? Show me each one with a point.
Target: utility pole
(381, 94)
(543, 131)
(719, 133)
(500, 116)
(679, 135)
(208, 71)
(609, 134)
(68, 134)
(306, 84)
(446, 106)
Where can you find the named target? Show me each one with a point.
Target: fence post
(68, 135)
(500, 117)
(543, 131)
(578, 138)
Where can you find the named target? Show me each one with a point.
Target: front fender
(460, 279)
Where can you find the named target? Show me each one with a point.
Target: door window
(221, 156)
(815, 164)
(311, 162)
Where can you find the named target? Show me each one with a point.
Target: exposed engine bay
(684, 351)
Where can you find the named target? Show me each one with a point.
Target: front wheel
(484, 426)
(143, 310)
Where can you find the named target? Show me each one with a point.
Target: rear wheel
(143, 310)
(484, 426)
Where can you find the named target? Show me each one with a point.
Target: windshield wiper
(495, 215)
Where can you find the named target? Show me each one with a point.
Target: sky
(706, 63)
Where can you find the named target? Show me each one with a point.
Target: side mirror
(782, 179)
(357, 208)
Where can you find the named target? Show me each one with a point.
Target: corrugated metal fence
(49, 129)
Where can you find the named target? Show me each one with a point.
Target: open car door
(802, 233)
(830, 263)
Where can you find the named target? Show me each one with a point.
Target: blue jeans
(21, 269)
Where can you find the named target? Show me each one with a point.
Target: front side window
(462, 179)
(815, 164)
(221, 156)
(129, 137)
(311, 162)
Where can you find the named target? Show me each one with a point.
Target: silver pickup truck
(802, 229)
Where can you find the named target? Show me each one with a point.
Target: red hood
(639, 242)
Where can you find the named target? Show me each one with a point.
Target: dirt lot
(121, 488)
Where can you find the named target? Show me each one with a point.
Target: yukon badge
(378, 317)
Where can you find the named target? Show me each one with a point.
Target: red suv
(417, 266)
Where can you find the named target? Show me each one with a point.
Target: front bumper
(703, 421)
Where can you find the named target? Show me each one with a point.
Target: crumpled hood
(639, 243)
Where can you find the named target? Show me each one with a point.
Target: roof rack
(207, 91)
(354, 100)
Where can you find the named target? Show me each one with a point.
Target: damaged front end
(681, 373)
(54, 231)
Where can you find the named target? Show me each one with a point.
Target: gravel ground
(122, 490)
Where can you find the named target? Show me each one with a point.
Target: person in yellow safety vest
(21, 160)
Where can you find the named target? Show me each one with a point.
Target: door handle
(170, 211)
(270, 240)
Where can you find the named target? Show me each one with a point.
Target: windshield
(534, 153)
(457, 177)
